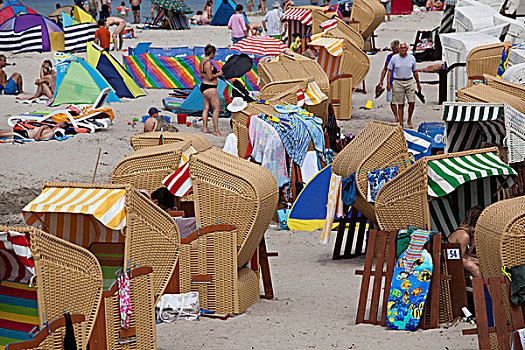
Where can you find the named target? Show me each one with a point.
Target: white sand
(316, 297)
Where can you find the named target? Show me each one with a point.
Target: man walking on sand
(135, 7)
(403, 68)
(272, 22)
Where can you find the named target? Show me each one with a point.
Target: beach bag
(282, 215)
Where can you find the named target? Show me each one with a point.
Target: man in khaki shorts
(403, 67)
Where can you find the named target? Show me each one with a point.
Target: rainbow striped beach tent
(160, 72)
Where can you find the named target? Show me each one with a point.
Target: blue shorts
(10, 88)
(387, 6)
(389, 95)
(236, 40)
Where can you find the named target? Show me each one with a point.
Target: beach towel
(377, 179)
(505, 54)
(331, 206)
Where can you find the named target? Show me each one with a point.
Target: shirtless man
(135, 7)
(151, 123)
(119, 31)
(46, 83)
(13, 85)
(41, 133)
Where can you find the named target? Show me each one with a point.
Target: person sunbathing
(464, 235)
(13, 85)
(43, 132)
(46, 84)
(197, 18)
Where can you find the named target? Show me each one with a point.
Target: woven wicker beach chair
(482, 60)
(513, 89)
(499, 241)
(131, 229)
(198, 141)
(369, 14)
(41, 278)
(489, 94)
(319, 16)
(227, 190)
(378, 145)
(423, 196)
(277, 78)
(147, 167)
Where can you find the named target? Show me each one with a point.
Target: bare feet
(396, 120)
(206, 131)
(218, 133)
(410, 126)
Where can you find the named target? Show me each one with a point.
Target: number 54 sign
(453, 254)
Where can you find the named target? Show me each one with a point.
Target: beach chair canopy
(69, 278)
(78, 82)
(472, 125)
(437, 191)
(30, 32)
(113, 72)
(84, 214)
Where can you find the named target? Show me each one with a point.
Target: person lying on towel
(11, 86)
(43, 132)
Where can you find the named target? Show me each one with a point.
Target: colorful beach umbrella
(176, 6)
(12, 8)
(259, 45)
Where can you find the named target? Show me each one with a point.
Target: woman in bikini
(465, 236)
(209, 91)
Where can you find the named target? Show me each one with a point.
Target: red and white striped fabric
(300, 97)
(179, 183)
(297, 27)
(327, 25)
(295, 14)
(329, 63)
(16, 260)
(259, 45)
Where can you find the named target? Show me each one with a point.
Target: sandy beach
(316, 297)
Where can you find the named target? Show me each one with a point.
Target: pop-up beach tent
(195, 104)
(78, 82)
(113, 72)
(30, 32)
(78, 30)
(13, 8)
(223, 11)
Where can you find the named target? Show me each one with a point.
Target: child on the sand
(151, 123)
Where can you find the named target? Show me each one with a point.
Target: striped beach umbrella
(259, 45)
(13, 8)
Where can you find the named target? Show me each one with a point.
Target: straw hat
(237, 105)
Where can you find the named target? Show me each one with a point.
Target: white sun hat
(237, 105)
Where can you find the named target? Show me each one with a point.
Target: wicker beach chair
(369, 14)
(133, 230)
(489, 94)
(63, 277)
(423, 196)
(227, 190)
(147, 167)
(319, 16)
(277, 78)
(482, 60)
(499, 241)
(378, 145)
(198, 141)
(513, 89)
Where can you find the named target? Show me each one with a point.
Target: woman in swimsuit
(209, 91)
(465, 236)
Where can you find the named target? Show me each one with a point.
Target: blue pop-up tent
(194, 103)
(223, 11)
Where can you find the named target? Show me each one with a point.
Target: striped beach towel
(327, 25)
(418, 239)
(179, 183)
(18, 312)
(16, 260)
(313, 94)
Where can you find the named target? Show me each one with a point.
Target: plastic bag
(173, 307)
